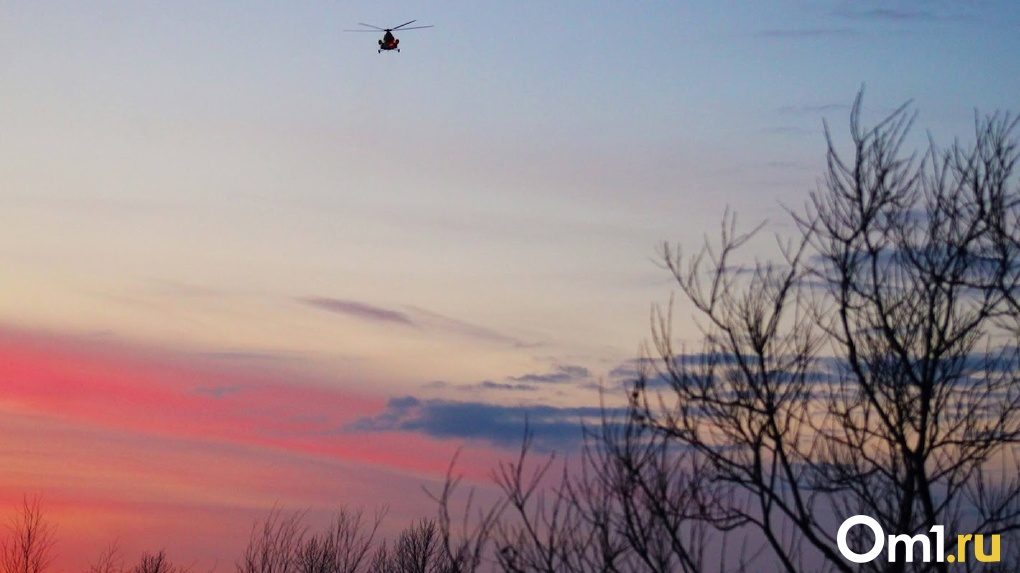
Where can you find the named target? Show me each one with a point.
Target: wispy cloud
(418, 317)
(785, 130)
(219, 391)
(357, 310)
(490, 385)
(813, 109)
(807, 33)
(564, 374)
(859, 15)
(787, 165)
(457, 327)
(802, 119)
(905, 12)
(885, 13)
(178, 289)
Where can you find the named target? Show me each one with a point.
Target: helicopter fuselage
(389, 42)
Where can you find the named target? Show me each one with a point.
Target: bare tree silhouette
(419, 549)
(28, 546)
(380, 562)
(110, 560)
(343, 548)
(465, 549)
(157, 563)
(630, 504)
(274, 543)
(282, 543)
(873, 369)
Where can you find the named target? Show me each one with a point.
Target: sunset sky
(245, 260)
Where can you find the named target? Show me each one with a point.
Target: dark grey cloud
(1003, 361)
(824, 370)
(357, 310)
(562, 427)
(501, 425)
(657, 378)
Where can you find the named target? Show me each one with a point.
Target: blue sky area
(455, 233)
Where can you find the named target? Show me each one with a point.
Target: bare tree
(630, 504)
(876, 369)
(109, 561)
(343, 548)
(274, 543)
(465, 550)
(282, 543)
(381, 561)
(873, 369)
(419, 549)
(157, 563)
(28, 546)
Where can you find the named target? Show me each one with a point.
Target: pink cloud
(164, 450)
(118, 387)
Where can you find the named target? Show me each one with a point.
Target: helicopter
(389, 41)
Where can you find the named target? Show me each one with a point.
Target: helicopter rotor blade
(404, 24)
(377, 29)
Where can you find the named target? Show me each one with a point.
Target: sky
(246, 260)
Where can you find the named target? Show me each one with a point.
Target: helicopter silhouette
(389, 41)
